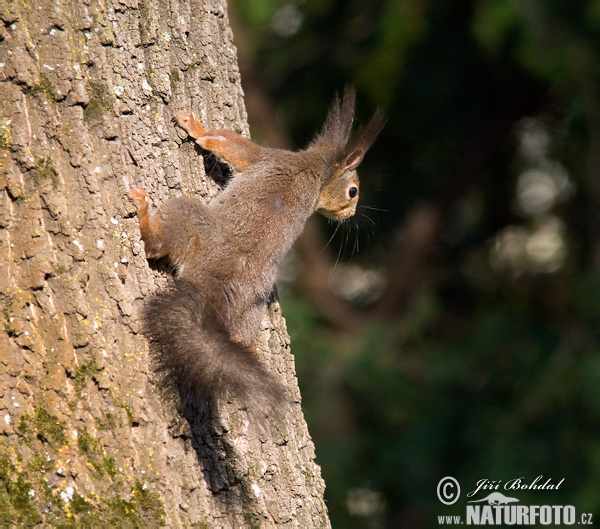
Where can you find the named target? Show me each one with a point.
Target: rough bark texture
(88, 89)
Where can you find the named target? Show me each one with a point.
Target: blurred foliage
(493, 369)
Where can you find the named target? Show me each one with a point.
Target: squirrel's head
(339, 194)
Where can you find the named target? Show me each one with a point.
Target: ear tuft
(338, 124)
(335, 134)
(366, 135)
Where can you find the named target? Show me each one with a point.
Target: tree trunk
(89, 89)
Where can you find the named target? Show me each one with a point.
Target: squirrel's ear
(352, 160)
(365, 137)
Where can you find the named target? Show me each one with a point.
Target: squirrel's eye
(352, 192)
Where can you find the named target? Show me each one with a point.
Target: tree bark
(89, 89)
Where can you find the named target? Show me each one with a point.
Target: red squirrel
(226, 253)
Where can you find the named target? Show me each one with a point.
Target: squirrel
(226, 253)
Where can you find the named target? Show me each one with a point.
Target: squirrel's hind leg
(154, 242)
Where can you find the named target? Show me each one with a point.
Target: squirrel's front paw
(189, 122)
(139, 197)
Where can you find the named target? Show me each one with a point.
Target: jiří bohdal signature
(516, 484)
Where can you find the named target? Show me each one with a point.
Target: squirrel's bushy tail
(198, 358)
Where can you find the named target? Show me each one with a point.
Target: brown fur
(226, 254)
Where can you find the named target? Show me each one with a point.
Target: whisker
(373, 208)
(337, 227)
(356, 240)
(368, 218)
(337, 260)
(370, 227)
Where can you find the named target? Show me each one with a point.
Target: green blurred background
(453, 326)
